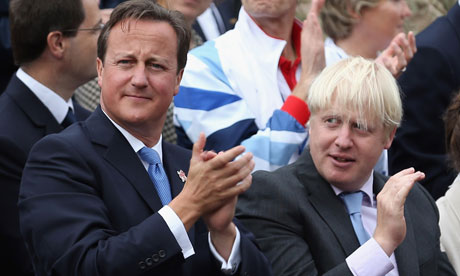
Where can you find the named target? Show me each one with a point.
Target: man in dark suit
(7, 67)
(222, 14)
(428, 85)
(91, 200)
(330, 213)
(54, 42)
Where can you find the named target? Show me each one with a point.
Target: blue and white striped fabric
(232, 90)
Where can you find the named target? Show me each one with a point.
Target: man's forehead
(349, 114)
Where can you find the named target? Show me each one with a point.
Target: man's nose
(139, 78)
(344, 138)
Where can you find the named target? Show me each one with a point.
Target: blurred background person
(249, 85)
(366, 28)
(428, 85)
(54, 43)
(449, 205)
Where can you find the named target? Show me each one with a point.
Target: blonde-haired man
(329, 212)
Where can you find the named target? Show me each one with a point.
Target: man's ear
(178, 80)
(56, 44)
(100, 70)
(390, 139)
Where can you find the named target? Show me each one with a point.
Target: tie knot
(69, 118)
(353, 201)
(149, 155)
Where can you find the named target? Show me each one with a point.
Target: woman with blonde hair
(366, 28)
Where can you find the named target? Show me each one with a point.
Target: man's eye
(360, 126)
(332, 120)
(156, 66)
(124, 62)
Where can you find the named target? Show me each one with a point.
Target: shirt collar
(135, 143)
(55, 103)
(367, 188)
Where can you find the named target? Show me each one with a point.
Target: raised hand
(391, 224)
(398, 54)
(212, 182)
(312, 50)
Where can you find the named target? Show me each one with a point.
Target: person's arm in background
(216, 109)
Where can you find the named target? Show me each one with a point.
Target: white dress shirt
(55, 103)
(370, 259)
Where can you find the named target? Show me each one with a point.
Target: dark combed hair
(148, 10)
(452, 128)
(32, 20)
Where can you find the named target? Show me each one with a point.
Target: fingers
(411, 38)
(398, 54)
(208, 155)
(399, 185)
(316, 6)
(403, 42)
(223, 158)
(198, 146)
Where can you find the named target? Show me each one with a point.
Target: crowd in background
(220, 90)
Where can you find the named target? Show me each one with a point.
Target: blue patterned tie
(353, 201)
(69, 119)
(157, 174)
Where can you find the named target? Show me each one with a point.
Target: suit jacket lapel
(327, 204)
(173, 163)
(32, 106)
(404, 254)
(120, 155)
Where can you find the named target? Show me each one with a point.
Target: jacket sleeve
(207, 102)
(69, 228)
(428, 86)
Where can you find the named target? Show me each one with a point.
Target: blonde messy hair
(358, 85)
(337, 16)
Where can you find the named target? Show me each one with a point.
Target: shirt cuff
(230, 267)
(178, 230)
(369, 259)
(297, 108)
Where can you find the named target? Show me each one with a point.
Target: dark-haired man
(54, 43)
(108, 197)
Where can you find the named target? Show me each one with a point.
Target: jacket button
(142, 265)
(155, 258)
(162, 253)
(149, 262)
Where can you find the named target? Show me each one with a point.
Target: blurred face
(268, 8)
(139, 76)
(382, 22)
(82, 51)
(191, 9)
(343, 151)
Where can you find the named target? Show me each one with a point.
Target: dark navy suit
(428, 85)
(23, 121)
(7, 67)
(88, 207)
(228, 10)
(308, 231)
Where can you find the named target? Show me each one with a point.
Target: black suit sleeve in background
(428, 85)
